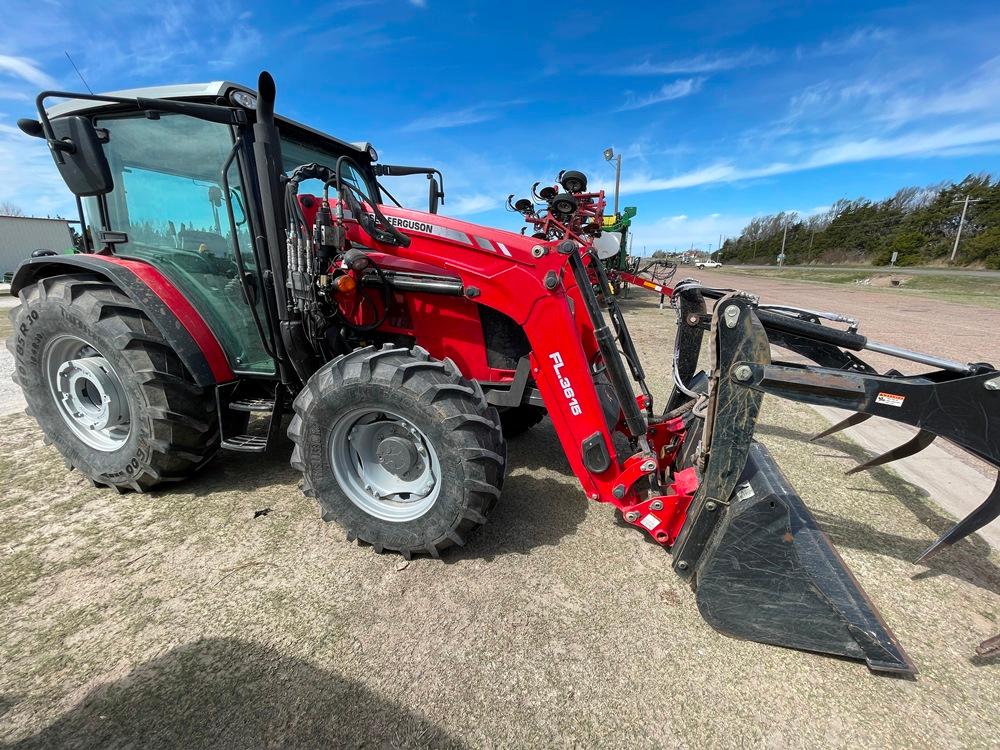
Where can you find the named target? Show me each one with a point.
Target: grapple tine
(851, 421)
(914, 445)
(989, 510)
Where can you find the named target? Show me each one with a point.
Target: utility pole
(609, 155)
(961, 222)
(781, 257)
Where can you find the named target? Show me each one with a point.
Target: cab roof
(209, 93)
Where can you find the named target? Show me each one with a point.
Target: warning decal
(890, 399)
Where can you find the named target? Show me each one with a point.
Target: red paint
(501, 271)
(645, 283)
(179, 305)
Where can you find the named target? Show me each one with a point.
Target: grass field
(975, 290)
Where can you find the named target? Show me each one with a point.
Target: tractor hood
(409, 221)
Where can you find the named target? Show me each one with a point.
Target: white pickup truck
(709, 264)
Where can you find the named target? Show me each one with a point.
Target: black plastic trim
(595, 453)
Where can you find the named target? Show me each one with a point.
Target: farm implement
(240, 264)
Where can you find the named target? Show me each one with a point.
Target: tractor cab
(183, 198)
(184, 190)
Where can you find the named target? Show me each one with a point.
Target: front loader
(241, 266)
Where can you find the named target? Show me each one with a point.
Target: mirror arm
(211, 112)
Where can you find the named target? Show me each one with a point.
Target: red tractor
(239, 263)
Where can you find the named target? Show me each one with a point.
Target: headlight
(243, 99)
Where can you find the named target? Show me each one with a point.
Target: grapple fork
(762, 568)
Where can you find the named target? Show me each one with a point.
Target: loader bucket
(769, 574)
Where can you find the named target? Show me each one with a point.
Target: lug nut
(743, 373)
(538, 251)
(649, 466)
(656, 505)
(632, 516)
(682, 565)
(710, 506)
(618, 491)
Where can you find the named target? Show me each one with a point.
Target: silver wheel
(384, 464)
(88, 393)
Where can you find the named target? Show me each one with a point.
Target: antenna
(79, 73)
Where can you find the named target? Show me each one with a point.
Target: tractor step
(246, 443)
(250, 438)
(253, 405)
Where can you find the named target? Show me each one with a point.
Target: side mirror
(434, 194)
(80, 158)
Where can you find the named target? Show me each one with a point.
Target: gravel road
(183, 618)
(11, 399)
(888, 315)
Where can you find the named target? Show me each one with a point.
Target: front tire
(399, 449)
(106, 388)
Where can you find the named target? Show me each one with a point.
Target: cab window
(295, 154)
(169, 199)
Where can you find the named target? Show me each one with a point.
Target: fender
(169, 310)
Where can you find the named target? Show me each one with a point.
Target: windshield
(296, 154)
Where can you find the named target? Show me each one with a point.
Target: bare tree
(9, 209)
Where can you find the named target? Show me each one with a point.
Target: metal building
(21, 235)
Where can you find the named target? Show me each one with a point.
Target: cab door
(170, 200)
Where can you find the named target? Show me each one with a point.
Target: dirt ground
(890, 315)
(179, 619)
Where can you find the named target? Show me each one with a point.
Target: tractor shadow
(541, 504)
(967, 560)
(224, 692)
(246, 472)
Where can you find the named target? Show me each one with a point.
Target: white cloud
(668, 92)
(27, 70)
(978, 93)
(460, 117)
(866, 38)
(465, 205)
(698, 64)
(917, 144)
(28, 178)
(681, 232)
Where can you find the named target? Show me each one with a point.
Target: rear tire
(167, 426)
(358, 409)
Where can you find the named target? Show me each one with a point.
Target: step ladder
(229, 401)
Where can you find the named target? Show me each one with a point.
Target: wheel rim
(385, 464)
(88, 393)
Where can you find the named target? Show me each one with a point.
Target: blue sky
(721, 112)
